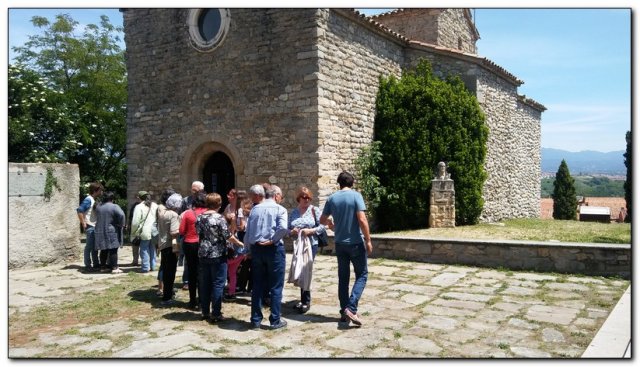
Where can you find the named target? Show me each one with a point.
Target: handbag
(323, 239)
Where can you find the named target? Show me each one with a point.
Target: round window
(207, 28)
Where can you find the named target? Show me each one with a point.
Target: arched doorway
(218, 175)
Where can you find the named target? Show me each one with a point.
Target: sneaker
(185, 287)
(298, 306)
(205, 316)
(105, 270)
(255, 326)
(116, 271)
(305, 307)
(193, 306)
(159, 293)
(344, 318)
(278, 325)
(352, 316)
(90, 270)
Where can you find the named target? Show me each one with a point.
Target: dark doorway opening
(219, 176)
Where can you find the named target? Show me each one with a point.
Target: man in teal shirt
(353, 243)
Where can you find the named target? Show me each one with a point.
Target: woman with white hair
(168, 229)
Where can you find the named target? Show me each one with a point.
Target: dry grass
(532, 230)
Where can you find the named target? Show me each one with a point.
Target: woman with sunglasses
(305, 219)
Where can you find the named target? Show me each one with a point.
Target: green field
(595, 186)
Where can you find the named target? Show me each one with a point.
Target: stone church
(234, 97)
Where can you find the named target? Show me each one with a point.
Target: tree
(82, 117)
(564, 194)
(420, 121)
(628, 183)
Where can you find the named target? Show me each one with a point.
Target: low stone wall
(43, 230)
(588, 259)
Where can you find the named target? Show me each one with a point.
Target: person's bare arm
(364, 227)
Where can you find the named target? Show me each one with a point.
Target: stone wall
(289, 97)
(512, 188)
(43, 231)
(589, 259)
(353, 59)
(254, 98)
(443, 27)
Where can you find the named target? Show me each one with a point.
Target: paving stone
(195, 354)
(491, 274)
(519, 291)
(151, 346)
(378, 352)
(550, 335)
(439, 322)
(415, 299)
(581, 321)
(462, 335)
(551, 314)
(414, 343)
(533, 277)
(525, 352)
(585, 280)
(523, 324)
(482, 326)
(480, 282)
(507, 306)
(459, 304)
(477, 350)
(25, 352)
(62, 340)
(467, 296)
(578, 304)
(447, 311)
(569, 287)
(381, 270)
(446, 279)
(563, 295)
(113, 327)
(357, 339)
(460, 269)
(493, 315)
(303, 351)
(474, 289)
(101, 345)
(420, 273)
(415, 289)
(523, 283)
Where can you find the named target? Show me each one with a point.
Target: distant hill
(585, 162)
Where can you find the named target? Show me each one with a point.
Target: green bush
(564, 194)
(420, 121)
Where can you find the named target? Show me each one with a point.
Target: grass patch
(532, 230)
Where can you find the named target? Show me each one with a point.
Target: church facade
(234, 97)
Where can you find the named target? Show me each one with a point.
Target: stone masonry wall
(352, 60)
(442, 27)
(512, 188)
(255, 97)
(43, 231)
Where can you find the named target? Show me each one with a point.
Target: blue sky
(576, 62)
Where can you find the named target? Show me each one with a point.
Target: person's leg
(344, 272)
(90, 254)
(113, 258)
(205, 283)
(153, 254)
(136, 254)
(144, 255)
(219, 278)
(276, 280)
(191, 255)
(103, 257)
(258, 274)
(305, 295)
(359, 260)
(169, 265)
(232, 266)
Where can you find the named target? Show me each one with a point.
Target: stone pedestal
(442, 210)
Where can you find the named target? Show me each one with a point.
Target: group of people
(245, 239)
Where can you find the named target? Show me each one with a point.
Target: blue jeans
(305, 296)
(147, 255)
(356, 255)
(90, 253)
(267, 262)
(212, 276)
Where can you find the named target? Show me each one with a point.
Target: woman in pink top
(190, 244)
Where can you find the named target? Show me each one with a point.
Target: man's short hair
(257, 190)
(95, 187)
(345, 179)
(198, 184)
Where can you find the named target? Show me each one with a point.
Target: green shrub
(420, 121)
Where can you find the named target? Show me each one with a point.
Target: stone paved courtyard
(410, 310)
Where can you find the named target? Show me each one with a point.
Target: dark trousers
(111, 258)
(168, 264)
(191, 255)
(244, 282)
(267, 268)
